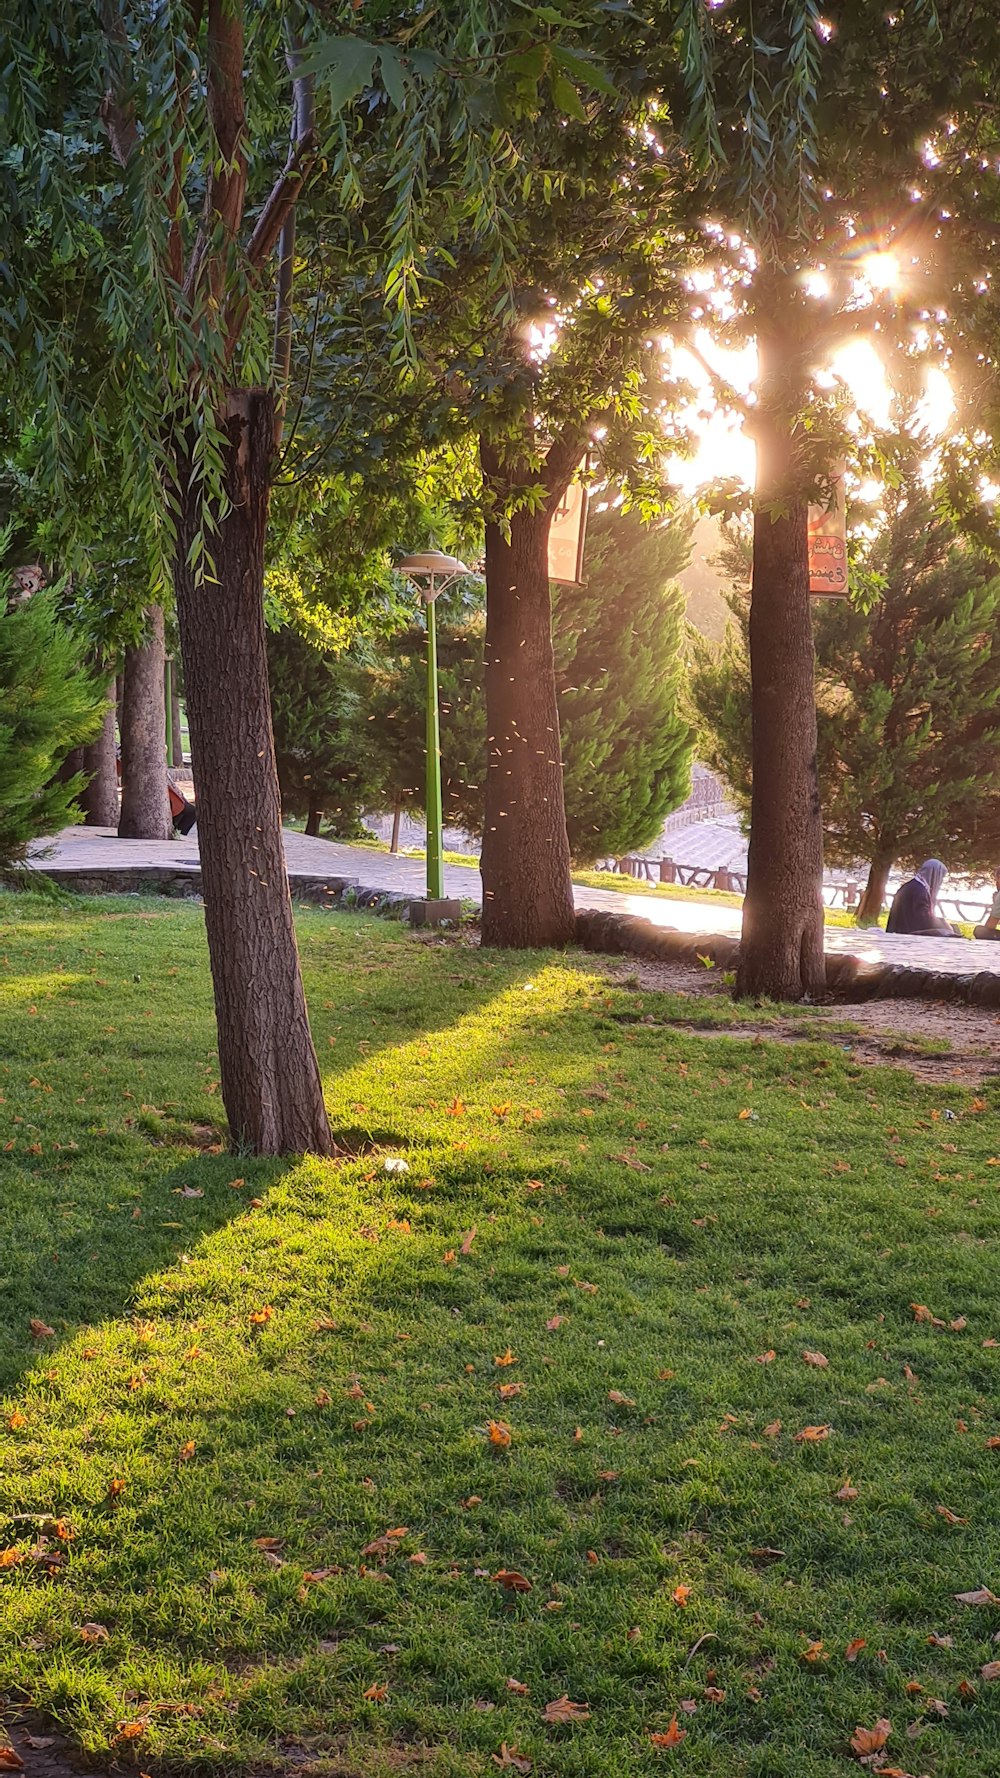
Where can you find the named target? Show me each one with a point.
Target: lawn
(279, 1428)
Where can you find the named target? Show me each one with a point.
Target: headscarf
(932, 872)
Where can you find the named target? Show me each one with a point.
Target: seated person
(912, 907)
(182, 813)
(990, 927)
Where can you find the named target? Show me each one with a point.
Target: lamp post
(430, 572)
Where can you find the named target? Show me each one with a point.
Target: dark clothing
(912, 911)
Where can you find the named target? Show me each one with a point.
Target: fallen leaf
(766, 1357)
(866, 1741)
(94, 1633)
(967, 1690)
(557, 1322)
(990, 1671)
(498, 1433)
(813, 1652)
(260, 1317)
(10, 1760)
(688, 1705)
(620, 1400)
(418, 1559)
(16, 1420)
(507, 1391)
(512, 1580)
(467, 1240)
(505, 1358)
(116, 1487)
(131, 1731)
(764, 1555)
(812, 1435)
(854, 1648)
(935, 1641)
(564, 1710)
(517, 1687)
(714, 1694)
(378, 1692)
(847, 1492)
(41, 1331)
(670, 1737)
(817, 1359)
(912, 1687)
(945, 1512)
(187, 1451)
(681, 1595)
(978, 1596)
(322, 1398)
(936, 1707)
(269, 1543)
(772, 1429)
(509, 1756)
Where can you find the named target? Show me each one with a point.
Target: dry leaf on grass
(681, 1595)
(990, 1671)
(516, 1686)
(187, 1451)
(505, 1358)
(377, 1693)
(467, 1240)
(498, 1433)
(772, 1430)
(814, 1652)
(512, 1580)
(951, 1518)
(94, 1632)
(812, 1435)
(868, 1741)
(565, 1710)
(556, 1322)
(978, 1596)
(509, 1756)
(10, 1760)
(41, 1331)
(854, 1648)
(817, 1359)
(767, 1357)
(507, 1391)
(669, 1737)
(619, 1400)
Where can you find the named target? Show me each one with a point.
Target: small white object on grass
(396, 1164)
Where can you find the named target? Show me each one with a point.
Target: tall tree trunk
(99, 800)
(176, 737)
(397, 810)
(271, 1084)
(525, 865)
(781, 954)
(313, 820)
(873, 899)
(145, 810)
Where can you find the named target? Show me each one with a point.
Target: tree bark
(145, 810)
(781, 954)
(270, 1077)
(397, 810)
(525, 863)
(99, 799)
(313, 820)
(873, 899)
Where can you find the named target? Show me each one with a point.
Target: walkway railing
(968, 909)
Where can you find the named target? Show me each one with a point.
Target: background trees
(908, 695)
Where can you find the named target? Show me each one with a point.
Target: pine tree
(908, 698)
(48, 706)
(316, 715)
(618, 645)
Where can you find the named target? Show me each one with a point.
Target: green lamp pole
(430, 572)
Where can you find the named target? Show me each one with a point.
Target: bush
(49, 704)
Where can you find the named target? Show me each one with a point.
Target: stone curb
(848, 979)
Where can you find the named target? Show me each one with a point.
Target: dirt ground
(935, 1041)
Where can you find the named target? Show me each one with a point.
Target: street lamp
(430, 572)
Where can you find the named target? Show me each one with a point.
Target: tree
(807, 124)
(324, 767)
(908, 700)
(618, 651)
(145, 809)
(49, 705)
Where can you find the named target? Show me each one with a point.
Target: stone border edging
(848, 979)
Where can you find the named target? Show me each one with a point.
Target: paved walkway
(97, 851)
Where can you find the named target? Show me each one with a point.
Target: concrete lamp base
(435, 913)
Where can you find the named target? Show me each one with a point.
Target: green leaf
(393, 77)
(345, 64)
(565, 95)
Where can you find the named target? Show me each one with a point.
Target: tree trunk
(313, 820)
(781, 955)
(270, 1078)
(397, 810)
(145, 810)
(873, 899)
(99, 800)
(525, 864)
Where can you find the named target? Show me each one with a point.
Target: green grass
(598, 1147)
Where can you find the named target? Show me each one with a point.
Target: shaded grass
(315, 1332)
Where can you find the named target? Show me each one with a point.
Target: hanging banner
(567, 534)
(828, 546)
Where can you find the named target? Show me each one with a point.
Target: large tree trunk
(99, 799)
(873, 899)
(271, 1084)
(525, 865)
(145, 810)
(313, 820)
(781, 954)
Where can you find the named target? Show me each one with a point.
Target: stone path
(95, 858)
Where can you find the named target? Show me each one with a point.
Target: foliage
(316, 702)
(48, 706)
(254, 1310)
(626, 745)
(908, 696)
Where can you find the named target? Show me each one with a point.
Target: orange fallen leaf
(512, 1580)
(681, 1595)
(10, 1760)
(565, 1710)
(912, 1688)
(847, 1492)
(418, 1559)
(517, 1687)
(467, 1240)
(767, 1357)
(187, 1451)
(714, 1694)
(456, 1108)
(854, 1648)
(967, 1690)
(866, 1741)
(670, 1737)
(94, 1632)
(506, 1357)
(620, 1400)
(16, 1420)
(377, 1693)
(116, 1487)
(260, 1317)
(936, 1641)
(10, 1558)
(557, 1322)
(813, 1652)
(945, 1512)
(41, 1330)
(322, 1398)
(448, 1258)
(812, 1435)
(817, 1359)
(131, 1731)
(772, 1429)
(498, 1433)
(507, 1391)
